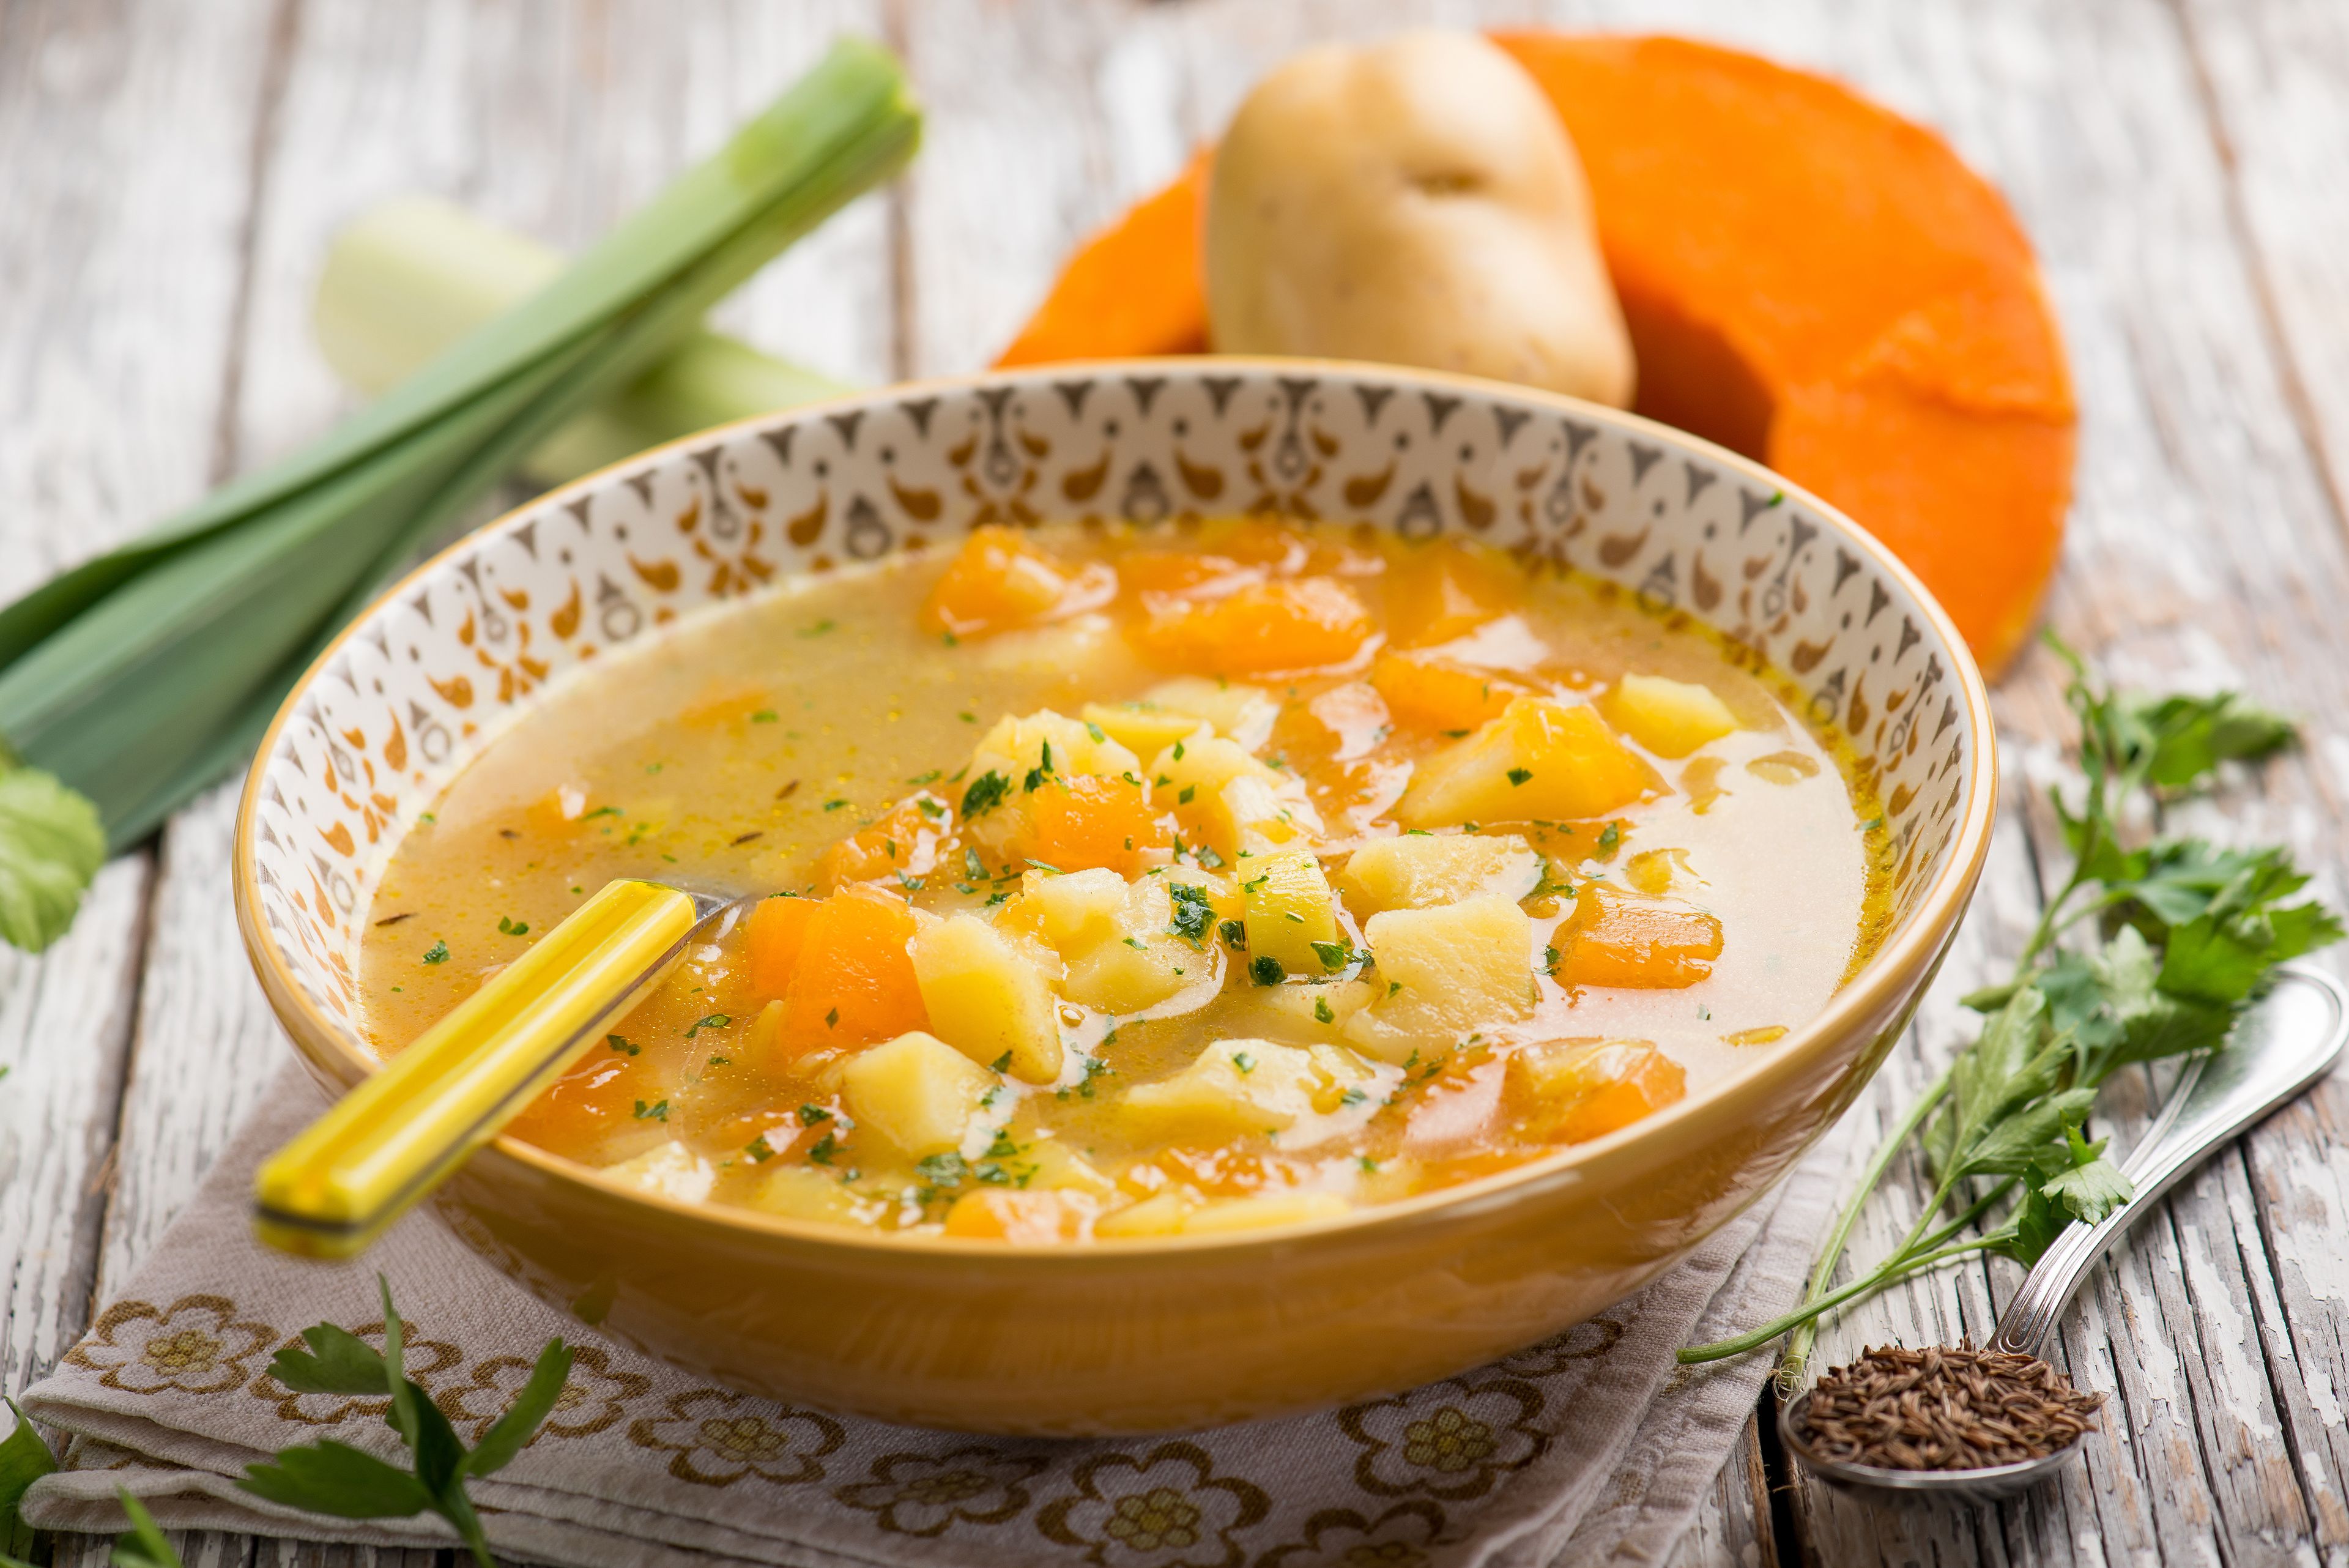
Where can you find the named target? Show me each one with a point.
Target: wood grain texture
(125, 136)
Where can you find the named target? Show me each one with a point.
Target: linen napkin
(1592, 1446)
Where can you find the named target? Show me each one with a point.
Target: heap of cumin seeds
(1944, 1408)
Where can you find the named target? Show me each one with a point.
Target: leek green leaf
(51, 844)
(140, 677)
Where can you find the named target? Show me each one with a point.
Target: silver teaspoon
(2288, 1041)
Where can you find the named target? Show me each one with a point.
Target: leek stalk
(411, 275)
(140, 677)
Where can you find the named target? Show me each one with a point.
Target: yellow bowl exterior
(1190, 1332)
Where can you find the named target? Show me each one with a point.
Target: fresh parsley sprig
(2187, 933)
(335, 1479)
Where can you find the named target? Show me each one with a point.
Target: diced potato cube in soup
(1140, 962)
(1159, 1214)
(668, 1170)
(916, 1091)
(1238, 712)
(1541, 759)
(987, 998)
(1143, 727)
(1075, 911)
(1288, 910)
(804, 1192)
(1615, 939)
(1235, 1088)
(1307, 1012)
(1451, 971)
(1419, 871)
(1671, 718)
(1049, 1165)
(1575, 1090)
(1235, 800)
(1224, 1216)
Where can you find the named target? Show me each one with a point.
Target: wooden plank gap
(276, 70)
(905, 321)
(2292, 382)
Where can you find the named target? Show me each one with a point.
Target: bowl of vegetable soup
(1284, 879)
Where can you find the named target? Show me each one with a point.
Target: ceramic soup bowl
(1184, 1331)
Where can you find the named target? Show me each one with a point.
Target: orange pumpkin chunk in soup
(1086, 821)
(999, 581)
(907, 840)
(1615, 939)
(851, 983)
(1571, 1091)
(1263, 628)
(1446, 591)
(1431, 693)
(1008, 1214)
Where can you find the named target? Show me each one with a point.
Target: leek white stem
(411, 275)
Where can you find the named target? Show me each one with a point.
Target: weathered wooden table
(170, 172)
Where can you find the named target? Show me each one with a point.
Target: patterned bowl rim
(1917, 944)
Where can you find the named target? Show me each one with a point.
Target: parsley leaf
(983, 793)
(1193, 911)
(51, 846)
(335, 1479)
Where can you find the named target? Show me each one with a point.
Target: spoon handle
(401, 1132)
(2291, 1039)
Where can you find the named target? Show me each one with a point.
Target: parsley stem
(1888, 1272)
(1798, 1348)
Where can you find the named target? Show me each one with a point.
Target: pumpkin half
(1808, 279)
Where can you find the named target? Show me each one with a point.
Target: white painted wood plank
(125, 144)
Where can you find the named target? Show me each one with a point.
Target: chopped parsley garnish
(823, 1148)
(818, 629)
(436, 953)
(713, 1021)
(1612, 836)
(924, 778)
(942, 1169)
(759, 1149)
(1235, 936)
(623, 1045)
(1322, 1013)
(1549, 958)
(1192, 911)
(1352, 1097)
(512, 928)
(972, 865)
(811, 1115)
(1244, 1062)
(1520, 775)
(1188, 794)
(1208, 857)
(721, 1061)
(1333, 955)
(1137, 944)
(1096, 733)
(985, 793)
(832, 1019)
(1266, 969)
(763, 716)
(656, 1112)
(1001, 1064)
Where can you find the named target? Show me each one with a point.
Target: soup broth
(1146, 883)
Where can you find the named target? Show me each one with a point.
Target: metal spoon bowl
(2288, 1041)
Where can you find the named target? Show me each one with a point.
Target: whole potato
(1416, 202)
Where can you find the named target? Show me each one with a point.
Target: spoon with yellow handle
(342, 1181)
